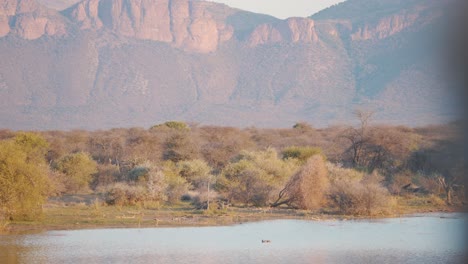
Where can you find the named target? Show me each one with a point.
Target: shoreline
(87, 218)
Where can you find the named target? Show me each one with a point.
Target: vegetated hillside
(102, 64)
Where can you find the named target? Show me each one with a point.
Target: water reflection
(428, 239)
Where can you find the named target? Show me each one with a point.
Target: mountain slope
(140, 62)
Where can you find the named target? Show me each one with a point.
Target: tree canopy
(78, 168)
(24, 183)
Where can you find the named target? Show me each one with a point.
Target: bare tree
(449, 180)
(358, 136)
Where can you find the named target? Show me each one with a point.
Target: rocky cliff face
(113, 63)
(395, 23)
(185, 24)
(29, 20)
(194, 26)
(4, 25)
(293, 30)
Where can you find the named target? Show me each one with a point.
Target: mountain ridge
(139, 62)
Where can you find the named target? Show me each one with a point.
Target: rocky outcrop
(185, 24)
(30, 20)
(8, 7)
(264, 34)
(302, 30)
(385, 27)
(295, 30)
(4, 26)
(194, 26)
(396, 23)
(86, 14)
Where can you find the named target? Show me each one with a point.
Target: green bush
(255, 177)
(176, 125)
(78, 169)
(301, 153)
(24, 182)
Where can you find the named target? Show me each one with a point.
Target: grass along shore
(83, 212)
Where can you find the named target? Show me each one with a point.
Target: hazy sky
(281, 8)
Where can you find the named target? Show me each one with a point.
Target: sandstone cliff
(185, 24)
(395, 23)
(292, 30)
(29, 20)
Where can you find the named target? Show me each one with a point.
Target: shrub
(180, 146)
(398, 181)
(255, 177)
(107, 174)
(122, 194)
(356, 196)
(177, 186)
(138, 173)
(429, 184)
(196, 172)
(306, 189)
(360, 197)
(150, 187)
(336, 172)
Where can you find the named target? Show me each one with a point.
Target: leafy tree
(301, 153)
(78, 169)
(221, 144)
(24, 183)
(196, 172)
(177, 185)
(143, 145)
(253, 177)
(180, 146)
(176, 125)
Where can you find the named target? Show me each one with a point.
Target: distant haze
(281, 8)
(277, 8)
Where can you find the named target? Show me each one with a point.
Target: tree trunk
(278, 203)
(448, 191)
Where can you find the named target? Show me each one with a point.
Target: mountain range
(97, 64)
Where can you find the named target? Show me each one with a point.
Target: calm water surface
(435, 238)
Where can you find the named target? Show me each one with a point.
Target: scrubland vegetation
(361, 170)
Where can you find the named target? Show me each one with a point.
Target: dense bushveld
(356, 170)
